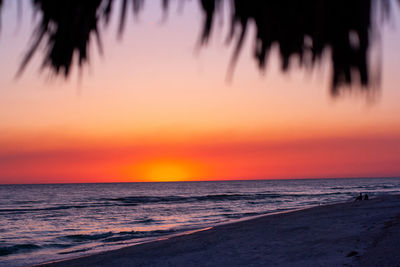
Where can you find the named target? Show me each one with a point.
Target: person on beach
(365, 197)
(360, 197)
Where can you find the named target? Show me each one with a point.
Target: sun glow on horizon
(168, 171)
(146, 112)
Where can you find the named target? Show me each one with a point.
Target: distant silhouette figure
(365, 197)
(360, 197)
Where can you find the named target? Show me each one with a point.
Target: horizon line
(228, 180)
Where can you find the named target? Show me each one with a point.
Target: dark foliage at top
(67, 27)
(305, 29)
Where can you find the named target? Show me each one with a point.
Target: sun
(167, 171)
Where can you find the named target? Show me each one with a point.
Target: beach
(363, 233)
(199, 133)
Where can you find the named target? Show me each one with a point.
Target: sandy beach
(364, 233)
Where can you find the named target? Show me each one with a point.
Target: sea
(41, 223)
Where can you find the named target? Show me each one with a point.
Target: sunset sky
(155, 107)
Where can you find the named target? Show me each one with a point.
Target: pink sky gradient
(154, 100)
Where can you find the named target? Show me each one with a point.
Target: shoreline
(295, 237)
(184, 233)
(187, 232)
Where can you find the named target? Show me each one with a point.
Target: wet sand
(364, 233)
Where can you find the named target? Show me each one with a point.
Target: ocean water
(40, 223)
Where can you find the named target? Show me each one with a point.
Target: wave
(8, 250)
(73, 251)
(241, 215)
(138, 200)
(87, 237)
(116, 236)
(43, 209)
(141, 200)
(78, 239)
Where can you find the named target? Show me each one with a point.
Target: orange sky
(155, 108)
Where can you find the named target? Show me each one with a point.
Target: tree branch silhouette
(304, 29)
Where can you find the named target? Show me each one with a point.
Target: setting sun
(167, 171)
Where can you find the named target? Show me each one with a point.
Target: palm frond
(304, 29)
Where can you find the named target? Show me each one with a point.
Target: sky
(156, 107)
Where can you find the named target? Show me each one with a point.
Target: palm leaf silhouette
(305, 29)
